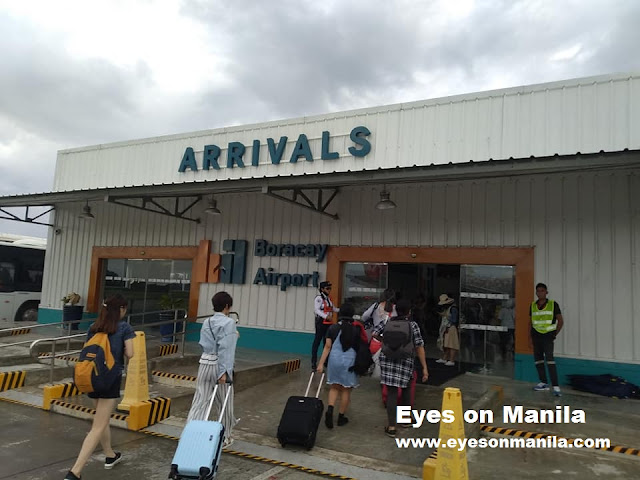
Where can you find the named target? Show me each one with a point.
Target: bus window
(21, 268)
(7, 275)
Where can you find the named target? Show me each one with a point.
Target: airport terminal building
(479, 196)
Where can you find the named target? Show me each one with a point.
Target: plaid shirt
(398, 373)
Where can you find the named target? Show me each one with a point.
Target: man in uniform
(546, 323)
(323, 312)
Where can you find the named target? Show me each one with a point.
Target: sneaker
(71, 476)
(441, 360)
(557, 392)
(450, 363)
(109, 463)
(541, 387)
(390, 432)
(227, 442)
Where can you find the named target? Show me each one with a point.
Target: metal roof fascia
(449, 172)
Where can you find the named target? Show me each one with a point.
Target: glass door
(363, 283)
(148, 284)
(487, 322)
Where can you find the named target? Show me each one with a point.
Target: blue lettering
(326, 154)
(357, 137)
(276, 153)
(210, 157)
(255, 153)
(188, 160)
(260, 249)
(302, 149)
(260, 277)
(234, 154)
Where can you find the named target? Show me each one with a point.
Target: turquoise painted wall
(525, 369)
(51, 315)
(262, 339)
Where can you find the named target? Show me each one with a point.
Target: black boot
(342, 420)
(328, 417)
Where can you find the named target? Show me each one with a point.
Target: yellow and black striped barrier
(60, 390)
(174, 376)
(150, 412)
(429, 466)
(11, 380)
(168, 349)
(83, 409)
(292, 365)
(525, 434)
(69, 358)
(20, 331)
(258, 458)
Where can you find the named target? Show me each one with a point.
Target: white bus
(21, 267)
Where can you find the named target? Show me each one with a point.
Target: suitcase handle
(306, 394)
(224, 404)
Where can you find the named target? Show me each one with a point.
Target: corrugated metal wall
(585, 115)
(585, 229)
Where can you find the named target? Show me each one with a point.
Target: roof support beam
(297, 196)
(151, 204)
(27, 218)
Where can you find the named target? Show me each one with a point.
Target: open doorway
(484, 295)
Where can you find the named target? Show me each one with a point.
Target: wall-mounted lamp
(86, 213)
(212, 209)
(385, 202)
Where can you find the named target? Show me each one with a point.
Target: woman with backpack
(401, 342)
(343, 340)
(380, 311)
(121, 337)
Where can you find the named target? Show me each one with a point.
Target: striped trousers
(207, 375)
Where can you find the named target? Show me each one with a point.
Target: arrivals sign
(236, 152)
(233, 263)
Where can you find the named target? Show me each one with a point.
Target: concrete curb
(489, 400)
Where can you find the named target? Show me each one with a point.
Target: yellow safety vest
(542, 321)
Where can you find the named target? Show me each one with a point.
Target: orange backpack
(96, 369)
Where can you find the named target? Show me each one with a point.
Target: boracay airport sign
(235, 156)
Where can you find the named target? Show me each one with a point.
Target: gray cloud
(291, 58)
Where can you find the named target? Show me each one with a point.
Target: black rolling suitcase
(301, 418)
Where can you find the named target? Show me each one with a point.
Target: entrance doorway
(484, 295)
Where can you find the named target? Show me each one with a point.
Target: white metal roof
(584, 115)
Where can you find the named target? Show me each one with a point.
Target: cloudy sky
(75, 73)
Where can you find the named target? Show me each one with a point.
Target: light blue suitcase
(200, 446)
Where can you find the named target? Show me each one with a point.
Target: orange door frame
(521, 258)
(200, 257)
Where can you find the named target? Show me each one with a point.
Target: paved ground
(359, 449)
(36, 445)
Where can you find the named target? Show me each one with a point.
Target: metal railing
(184, 320)
(69, 324)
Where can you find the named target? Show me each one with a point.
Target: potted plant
(71, 310)
(169, 301)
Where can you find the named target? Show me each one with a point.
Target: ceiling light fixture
(86, 213)
(385, 202)
(212, 209)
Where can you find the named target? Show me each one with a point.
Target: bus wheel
(28, 312)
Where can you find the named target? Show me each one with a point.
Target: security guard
(323, 312)
(546, 323)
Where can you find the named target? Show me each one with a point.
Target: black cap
(324, 285)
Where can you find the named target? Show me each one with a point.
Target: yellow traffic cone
(136, 389)
(452, 463)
